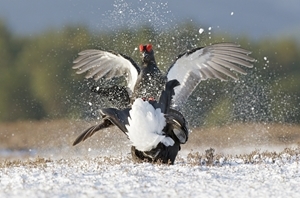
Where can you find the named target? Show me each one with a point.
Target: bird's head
(147, 53)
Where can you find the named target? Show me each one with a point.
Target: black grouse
(189, 68)
(155, 129)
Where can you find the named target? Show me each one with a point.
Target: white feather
(146, 125)
(103, 64)
(215, 61)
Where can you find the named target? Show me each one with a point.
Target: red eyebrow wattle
(149, 47)
(141, 47)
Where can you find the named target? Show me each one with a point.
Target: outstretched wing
(98, 64)
(215, 61)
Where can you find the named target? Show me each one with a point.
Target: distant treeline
(37, 81)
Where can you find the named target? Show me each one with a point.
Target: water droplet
(201, 30)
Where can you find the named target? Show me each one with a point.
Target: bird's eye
(141, 48)
(149, 47)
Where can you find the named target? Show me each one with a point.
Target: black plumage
(166, 92)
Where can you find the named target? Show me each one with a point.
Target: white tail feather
(146, 125)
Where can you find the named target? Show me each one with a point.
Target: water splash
(125, 14)
(257, 97)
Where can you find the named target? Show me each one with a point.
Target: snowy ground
(101, 166)
(256, 174)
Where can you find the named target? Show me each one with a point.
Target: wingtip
(81, 138)
(77, 141)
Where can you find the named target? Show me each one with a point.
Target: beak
(145, 55)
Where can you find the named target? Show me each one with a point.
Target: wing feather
(103, 64)
(219, 61)
(85, 65)
(215, 74)
(229, 65)
(234, 60)
(221, 69)
(99, 71)
(233, 54)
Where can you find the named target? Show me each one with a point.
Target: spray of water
(256, 97)
(125, 14)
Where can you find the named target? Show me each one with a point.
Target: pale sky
(255, 18)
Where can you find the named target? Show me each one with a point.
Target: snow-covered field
(102, 166)
(256, 174)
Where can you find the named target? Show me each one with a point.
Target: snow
(201, 30)
(118, 176)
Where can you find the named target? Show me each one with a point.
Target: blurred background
(40, 39)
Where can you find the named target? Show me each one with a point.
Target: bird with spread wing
(217, 61)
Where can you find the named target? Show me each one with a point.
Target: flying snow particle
(89, 149)
(201, 30)
(265, 58)
(90, 103)
(231, 13)
(209, 28)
